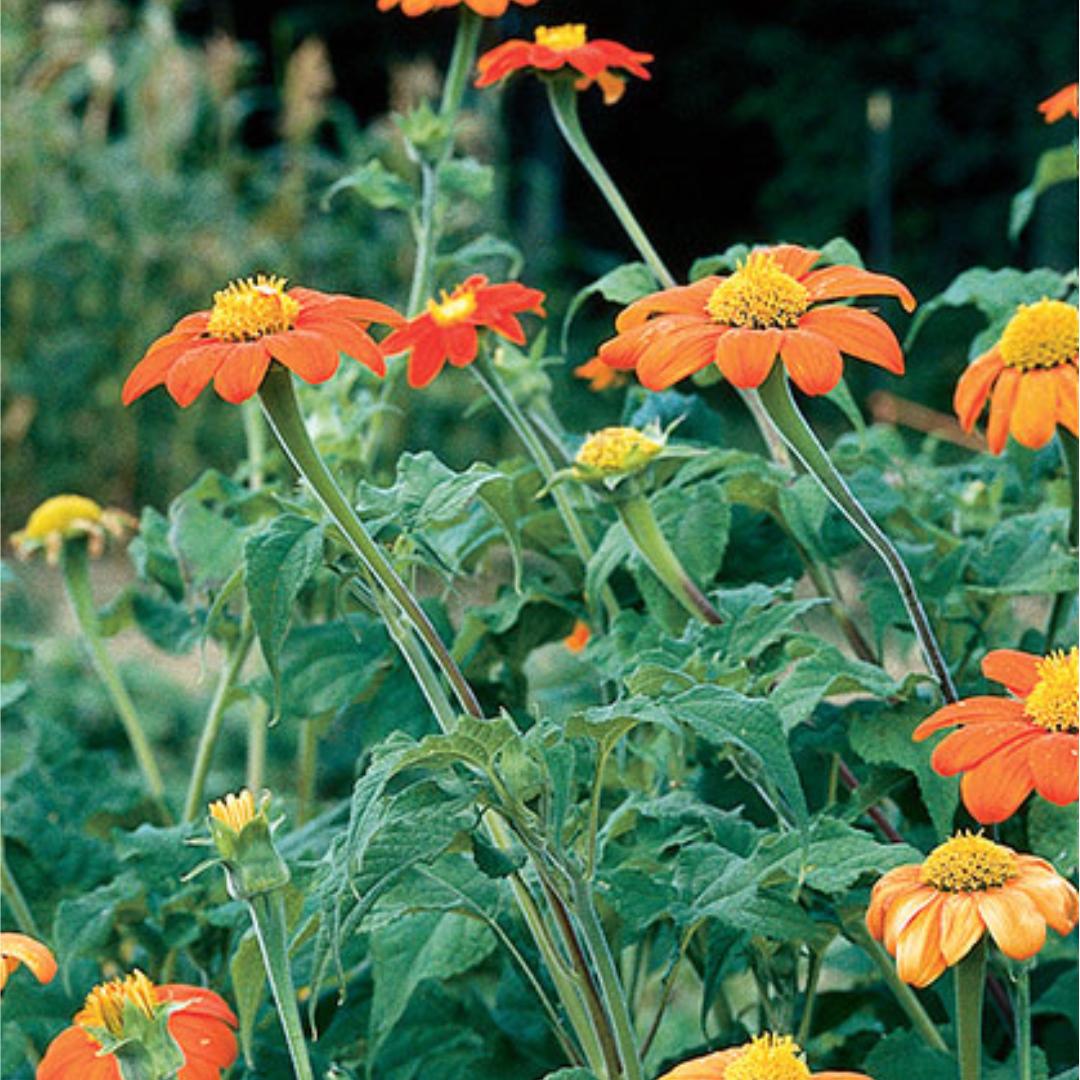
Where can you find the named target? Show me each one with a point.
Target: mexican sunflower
(117, 1018)
(772, 304)
(447, 328)
(16, 949)
(557, 47)
(491, 8)
(1063, 103)
(254, 321)
(1007, 747)
(68, 517)
(930, 915)
(767, 1057)
(1029, 377)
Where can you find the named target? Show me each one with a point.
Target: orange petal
(746, 356)
(1001, 406)
(307, 353)
(461, 344)
(188, 376)
(352, 341)
(1017, 671)
(74, 1053)
(151, 370)
(670, 357)
(1013, 920)
(994, 790)
(1034, 415)
(682, 300)
(426, 360)
(885, 892)
(903, 910)
(1068, 402)
(961, 927)
(25, 950)
(793, 259)
(242, 372)
(1052, 760)
(970, 746)
(858, 333)
(338, 306)
(843, 282)
(1054, 897)
(918, 949)
(812, 361)
(973, 710)
(973, 387)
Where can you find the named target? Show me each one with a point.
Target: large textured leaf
(622, 285)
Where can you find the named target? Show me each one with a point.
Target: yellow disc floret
(968, 863)
(1055, 699)
(63, 514)
(454, 308)
(1041, 335)
(759, 295)
(250, 308)
(561, 38)
(235, 811)
(617, 449)
(769, 1057)
(104, 1005)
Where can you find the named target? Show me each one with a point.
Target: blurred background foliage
(153, 152)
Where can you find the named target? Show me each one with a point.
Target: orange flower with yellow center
(491, 9)
(767, 1057)
(253, 322)
(556, 47)
(930, 915)
(743, 321)
(1007, 747)
(18, 949)
(67, 517)
(1066, 102)
(447, 329)
(198, 1020)
(1030, 377)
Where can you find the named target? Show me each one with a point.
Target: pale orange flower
(1063, 103)
(491, 9)
(16, 949)
(578, 638)
(930, 915)
(767, 1057)
(599, 374)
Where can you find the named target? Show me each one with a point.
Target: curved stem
(268, 921)
(776, 397)
(970, 975)
(215, 717)
(77, 583)
(640, 522)
(283, 412)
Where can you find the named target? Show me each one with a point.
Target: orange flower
(742, 321)
(1032, 375)
(578, 638)
(16, 949)
(252, 322)
(1008, 747)
(447, 329)
(1058, 105)
(600, 376)
(199, 1021)
(556, 47)
(931, 915)
(490, 8)
(776, 1057)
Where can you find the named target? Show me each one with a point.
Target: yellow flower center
(1042, 335)
(769, 1057)
(251, 308)
(617, 449)
(59, 515)
(454, 308)
(235, 811)
(104, 1005)
(759, 295)
(1055, 700)
(561, 38)
(968, 863)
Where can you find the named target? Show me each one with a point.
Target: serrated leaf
(473, 741)
(607, 724)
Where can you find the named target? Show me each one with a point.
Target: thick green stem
(255, 438)
(77, 582)
(813, 975)
(487, 376)
(20, 909)
(307, 761)
(256, 745)
(283, 412)
(215, 718)
(797, 433)
(637, 516)
(1063, 601)
(1023, 1023)
(970, 975)
(268, 921)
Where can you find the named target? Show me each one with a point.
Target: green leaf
(376, 185)
(1052, 834)
(249, 988)
(1056, 166)
(169, 626)
(482, 253)
(83, 924)
(208, 546)
(607, 724)
(466, 178)
(623, 285)
(472, 741)
(903, 1055)
(1024, 554)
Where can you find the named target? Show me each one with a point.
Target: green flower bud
(243, 836)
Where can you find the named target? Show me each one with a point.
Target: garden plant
(627, 755)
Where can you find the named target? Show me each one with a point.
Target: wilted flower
(69, 517)
(17, 949)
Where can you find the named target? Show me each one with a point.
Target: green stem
(637, 516)
(461, 62)
(215, 718)
(256, 745)
(776, 397)
(77, 582)
(268, 921)
(1063, 601)
(970, 975)
(813, 975)
(1023, 1023)
(563, 98)
(306, 768)
(487, 376)
(420, 286)
(282, 411)
(20, 909)
(255, 438)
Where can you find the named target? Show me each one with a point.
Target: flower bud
(615, 452)
(243, 835)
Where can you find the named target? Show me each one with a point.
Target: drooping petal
(995, 789)
(858, 333)
(901, 912)
(812, 361)
(1013, 920)
(1053, 763)
(965, 749)
(891, 885)
(189, 375)
(1017, 671)
(672, 356)
(242, 372)
(844, 282)
(973, 710)
(339, 306)
(1001, 407)
(74, 1054)
(426, 360)
(1034, 414)
(1053, 896)
(1068, 401)
(746, 356)
(961, 927)
(919, 960)
(151, 370)
(973, 387)
(682, 300)
(309, 355)
(354, 342)
(461, 344)
(24, 949)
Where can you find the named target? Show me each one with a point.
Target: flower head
(556, 47)
(1063, 103)
(1030, 377)
(243, 835)
(69, 517)
(616, 451)
(252, 322)
(766, 1057)
(157, 1030)
(18, 949)
(741, 322)
(492, 9)
(600, 376)
(1007, 747)
(930, 915)
(447, 328)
